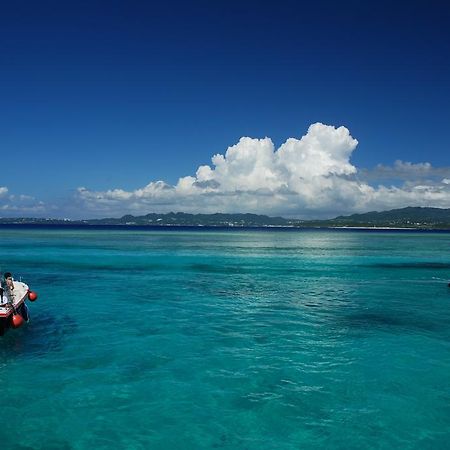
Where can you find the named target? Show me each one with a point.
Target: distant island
(423, 218)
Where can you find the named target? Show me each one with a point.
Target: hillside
(410, 217)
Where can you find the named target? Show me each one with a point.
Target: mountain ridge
(408, 217)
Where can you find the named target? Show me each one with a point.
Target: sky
(292, 108)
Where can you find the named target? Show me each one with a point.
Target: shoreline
(385, 228)
(199, 228)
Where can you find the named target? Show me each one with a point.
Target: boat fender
(17, 320)
(32, 296)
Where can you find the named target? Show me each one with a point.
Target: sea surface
(227, 339)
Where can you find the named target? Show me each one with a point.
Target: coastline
(380, 228)
(211, 228)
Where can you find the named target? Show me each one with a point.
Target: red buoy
(17, 320)
(32, 296)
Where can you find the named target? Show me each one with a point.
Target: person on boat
(8, 282)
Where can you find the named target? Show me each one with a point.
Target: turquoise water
(178, 339)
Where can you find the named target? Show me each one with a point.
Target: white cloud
(20, 205)
(403, 171)
(307, 177)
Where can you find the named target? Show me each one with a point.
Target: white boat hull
(11, 301)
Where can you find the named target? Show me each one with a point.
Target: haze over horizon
(286, 108)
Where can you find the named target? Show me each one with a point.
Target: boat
(13, 309)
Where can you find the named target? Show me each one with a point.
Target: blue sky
(112, 96)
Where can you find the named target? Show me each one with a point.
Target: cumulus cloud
(405, 171)
(308, 177)
(20, 205)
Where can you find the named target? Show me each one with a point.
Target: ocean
(227, 339)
